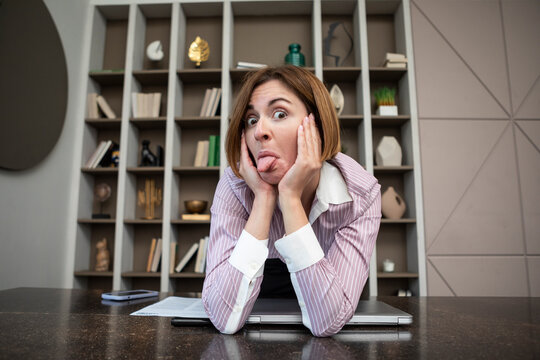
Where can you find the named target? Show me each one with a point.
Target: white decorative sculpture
(154, 51)
(337, 98)
(388, 152)
(392, 205)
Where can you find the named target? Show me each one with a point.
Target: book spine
(151, 255)
(205, 102)
(212, 151)
(157, 255)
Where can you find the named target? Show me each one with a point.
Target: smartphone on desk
(128, 295)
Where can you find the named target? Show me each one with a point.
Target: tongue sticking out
(265, 163)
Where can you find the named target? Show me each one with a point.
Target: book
(212, 143)
(195, 216)
(201, 255)
(172, 256)
(215, 104)
(151, 255)
(211, 100)
(217, 151)
(205, 102)
(92, 157)
(398, 65)
(395, 56)
(156, 103)
(185, 259)
(104, 106)
(134, 102)
(92, 106)
(157, 256)
(249, 65)
(102, 152)
(201, 155)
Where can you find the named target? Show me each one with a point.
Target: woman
(289, 197)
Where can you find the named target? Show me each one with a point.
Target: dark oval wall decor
(33, 84)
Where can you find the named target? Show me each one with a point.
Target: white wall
(35, 204)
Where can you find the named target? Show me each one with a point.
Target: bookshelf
(117, 36)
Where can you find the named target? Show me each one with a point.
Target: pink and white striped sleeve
(328, 288)
(235, 263)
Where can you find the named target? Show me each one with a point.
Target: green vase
(295, 57)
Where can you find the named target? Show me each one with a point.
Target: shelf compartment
(152, 77)
(143, 221)
(157, 26)
(397, 275)
(100, 170)
(198, 121)
(190, 222)
(146, 170)
(103, 123)
(341, 74)
(149, 122)
(350, 120)
(96, 221)
(190, 76)
(389, 121)
(385, 74)
(196, 170)
(108, 78)
(141, 274)
(91, 273)
(393, 169)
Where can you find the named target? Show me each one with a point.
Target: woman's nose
(262, 130)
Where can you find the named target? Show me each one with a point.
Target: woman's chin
(272, 177)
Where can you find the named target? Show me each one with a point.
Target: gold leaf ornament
(199, 51)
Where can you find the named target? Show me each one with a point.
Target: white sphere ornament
(388, 152)
(154, 51)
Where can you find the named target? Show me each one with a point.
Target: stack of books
(154, 255)
(97, 105)
(200, 262)
(249, 65)
(145, 105)
(102, 155)
(211, 101)
(393, 60)
(207, 153)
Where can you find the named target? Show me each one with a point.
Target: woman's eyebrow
(278, 99)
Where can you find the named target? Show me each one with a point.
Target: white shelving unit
(256, 31)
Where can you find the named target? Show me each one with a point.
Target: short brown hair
(309, 89)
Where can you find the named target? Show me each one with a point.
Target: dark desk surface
(74, 324)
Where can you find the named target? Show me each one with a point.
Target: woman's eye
(280, 115)
(250, 121)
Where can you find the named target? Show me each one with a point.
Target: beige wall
(478, 88)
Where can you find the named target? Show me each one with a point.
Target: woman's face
(271, 126)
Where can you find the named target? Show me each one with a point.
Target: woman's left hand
(308, 160)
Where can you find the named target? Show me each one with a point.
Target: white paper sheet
(174, 306)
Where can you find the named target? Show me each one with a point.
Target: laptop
(287, 311)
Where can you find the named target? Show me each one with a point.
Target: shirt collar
(332, 189)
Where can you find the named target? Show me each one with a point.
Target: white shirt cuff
(301, 249)
(249, 255)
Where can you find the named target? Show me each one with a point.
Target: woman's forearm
(258, 224)
(294, 214)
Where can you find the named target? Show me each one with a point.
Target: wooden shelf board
(399, 221)
(337, 74)
(100, 170)
(149, 122)
(108, 77)
(96, 221)
(393, 169)
(152, 77)
(182, 222)
(385, 74)
(146, 170)
(200, 75)
(141, 274)
(92, 273)
(190, 275)
(143, 221)
(104, 123)
(350, 120)
(197, 121)
(195, 170)
(396, 275)
(389, 121)
(238, 74)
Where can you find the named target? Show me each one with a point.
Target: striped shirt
(328, 258)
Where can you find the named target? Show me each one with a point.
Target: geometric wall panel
(484, 275)
(487, 219)
(522, 33)
(435, 283)
(449, 89)
(529, 174)
(532, 129)
(448, 169)
(534, 274)
(457, 21)
(530, 108)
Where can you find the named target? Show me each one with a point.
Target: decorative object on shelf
(388, 266)
(295, 57)
(392, 205)
(249, 65)
(199, 51)
(403, 293)
(388, 152)
(150, 197)
(392, 60)
(147, 156)
(102, 192)
(195, 209)
(385, 98)
(115, 156)
(337, 98)
(154, 51)
(103, 257)
(343, 37)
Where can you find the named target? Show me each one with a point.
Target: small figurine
(295, 57)
(199, 51)
(147, 157)
(102, 257)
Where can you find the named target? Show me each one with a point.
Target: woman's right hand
(251, 176)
